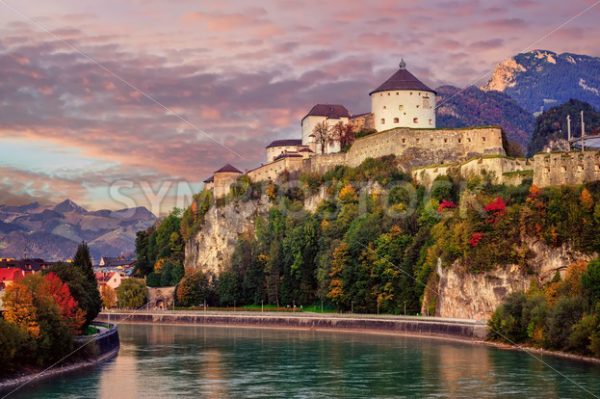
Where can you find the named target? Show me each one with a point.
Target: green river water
(162, 361)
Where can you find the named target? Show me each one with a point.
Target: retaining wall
(426, 326)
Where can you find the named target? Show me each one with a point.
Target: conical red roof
(228, 169)
(402, 80)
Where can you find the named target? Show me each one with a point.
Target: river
(164, 361)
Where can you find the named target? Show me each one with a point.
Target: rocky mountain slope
(551, 126)
(541, 79)
(475, 107)
(53, 233)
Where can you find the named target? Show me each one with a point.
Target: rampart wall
(420, 147)
(500, 170)
(564, 168)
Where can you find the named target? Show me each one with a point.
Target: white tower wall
(403, 108)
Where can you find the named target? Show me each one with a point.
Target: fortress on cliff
(402, 123)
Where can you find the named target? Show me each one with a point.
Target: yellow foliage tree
(109, 296)
(348, 194)
(19, 308)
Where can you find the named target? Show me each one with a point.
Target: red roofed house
(9, 275)
(111, 279)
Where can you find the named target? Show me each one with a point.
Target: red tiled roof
(402, 80)
(11, 274)
(102, 277)
(228, 169)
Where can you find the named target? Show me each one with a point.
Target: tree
(344, 133)
(84, 291)
(109, 296)
(83, 261)
(20, 309)
(322, 135)
(12, 346)
(132, 293)
(591, 281)
(193, 290)
(71, 313)
(31, 305)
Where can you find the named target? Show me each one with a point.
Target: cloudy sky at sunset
(141, 93)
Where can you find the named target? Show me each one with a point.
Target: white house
(331, 114)
(403, 101)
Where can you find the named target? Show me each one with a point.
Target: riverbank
(95, 349)
(467, 330)
(471, 331)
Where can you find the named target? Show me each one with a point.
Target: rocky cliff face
(542, 79)
(212, 247)
(476, 296)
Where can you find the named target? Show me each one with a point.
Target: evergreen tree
(93, 301)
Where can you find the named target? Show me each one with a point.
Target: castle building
(223, 179)
(403, 101)
(330, 114)
(279, 147)
(403, 117)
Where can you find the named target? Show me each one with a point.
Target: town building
(111, 279)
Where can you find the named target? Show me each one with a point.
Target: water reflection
(176, 361)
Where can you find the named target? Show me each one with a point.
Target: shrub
(561, 319)
(506, 324)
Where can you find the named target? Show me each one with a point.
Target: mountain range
(53, 233)
(518, 90)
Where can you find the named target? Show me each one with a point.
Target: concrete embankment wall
(425, 326)
(95, 349)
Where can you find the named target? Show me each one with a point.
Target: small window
(483, 139)
(445, 140)
(397, 93)
(385, 107)
(396, 120)
(415, 120)
(403, 140)
(419, 94)
(459, 141)
(417, 106)
(469, 140)
(411, 93)
(383, 121)
(389, 94)
(400, 107)
(426, 103)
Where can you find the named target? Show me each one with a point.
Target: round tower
(403, 101)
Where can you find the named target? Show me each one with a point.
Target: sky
(116, 104)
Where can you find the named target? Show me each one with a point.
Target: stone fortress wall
(414, 147)
(563, 168)
(500, 169)
(419, 147)
(429, 153)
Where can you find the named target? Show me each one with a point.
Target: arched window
(396, 120)
(415, 120)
